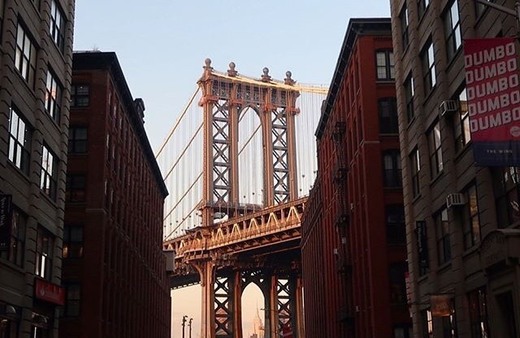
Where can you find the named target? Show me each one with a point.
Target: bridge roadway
(266, 238)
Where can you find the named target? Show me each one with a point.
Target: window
(409, 92)
(48, 173)
(442, 230)
(403, 331)
(385, 65)
(72, 300)
(75, 188)
(428, 68)
(77, 140)
(478, 313)
(397, 283)
(16, 241)
(44, 247)
(452, 29)
(395, 224)
(415, 165)
(506, 183)
(461, 122)
(422, 247)
(19, 141)
(423, 6)
(53, 96)
(57, 25)
(434, 146)
(388, 123)
(449, 323)
(79, 96)
(25, 56)
(392, 169)
(72, 241)
(427, 324)
(404, 26)
(470, 218)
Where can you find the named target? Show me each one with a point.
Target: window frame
(443, 236)
(415, 171)
(75, 188)
(388, 65)
(392, 176)
(506, 184)
(471, 226)
(16, 252)
(77, 144)
(409, 96)
(428, 67)
(79, 96)
(57, 25)
(462, 133)
(435, 149)
(390, 123)
(405, 23)
(44, 253)
(25, 55)
(453, 37)
(53, 95)
(73, 241)
(19, 154)
(49, 172)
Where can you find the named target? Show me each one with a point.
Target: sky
(162, 44)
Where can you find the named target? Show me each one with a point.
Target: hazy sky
(162, 44)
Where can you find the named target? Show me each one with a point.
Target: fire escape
(342, 222)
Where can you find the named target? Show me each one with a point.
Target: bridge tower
(226, 98)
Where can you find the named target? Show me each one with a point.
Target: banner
(493, 94)
(5, 221)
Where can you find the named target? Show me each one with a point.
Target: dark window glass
(78, 140)
(19, 141)
(25, 56)
(16, 247)
(426, 324)
(44, 254)
(423, 6)
(72, 241)
(442, 230)
(422, 247)
(53, 96)
(392, 169)
(75, 188)
(506, 183)
(428, 68)
(478, 313)
(434, 146)
(452, 29)
(73, 300)
(79, 96)
(470, 217)
(415, 166)
(404, 26)
(409, 92)
(461, 122)
(385, 65)
(395, 224)
(48, 174)
(57, 25)
(388, 123)
(397, 283)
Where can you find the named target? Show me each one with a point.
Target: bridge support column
(284, 306)
(206, 270)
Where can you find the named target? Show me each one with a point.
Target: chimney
(139, 107)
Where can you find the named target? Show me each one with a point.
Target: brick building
(114, 269)
(462, 220)
(35, 68)
(353, 238)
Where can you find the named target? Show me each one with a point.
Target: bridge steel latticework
(238, 243)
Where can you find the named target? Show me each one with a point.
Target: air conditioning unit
(456, 199)
(448, 107)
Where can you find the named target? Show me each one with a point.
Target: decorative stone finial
(231, 71)
(288, 80)
(265, 76)
(207, 63)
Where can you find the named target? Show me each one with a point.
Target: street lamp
(183, 324)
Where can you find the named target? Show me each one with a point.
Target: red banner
(492, 89)
(49, 292)
(493, 94)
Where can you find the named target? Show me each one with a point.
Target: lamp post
(189, 325)
(183, 324)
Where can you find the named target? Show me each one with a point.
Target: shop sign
(49, 292)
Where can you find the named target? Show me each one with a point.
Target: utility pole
(183, 325)
(189, 325)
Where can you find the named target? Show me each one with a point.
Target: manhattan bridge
(239, 163)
